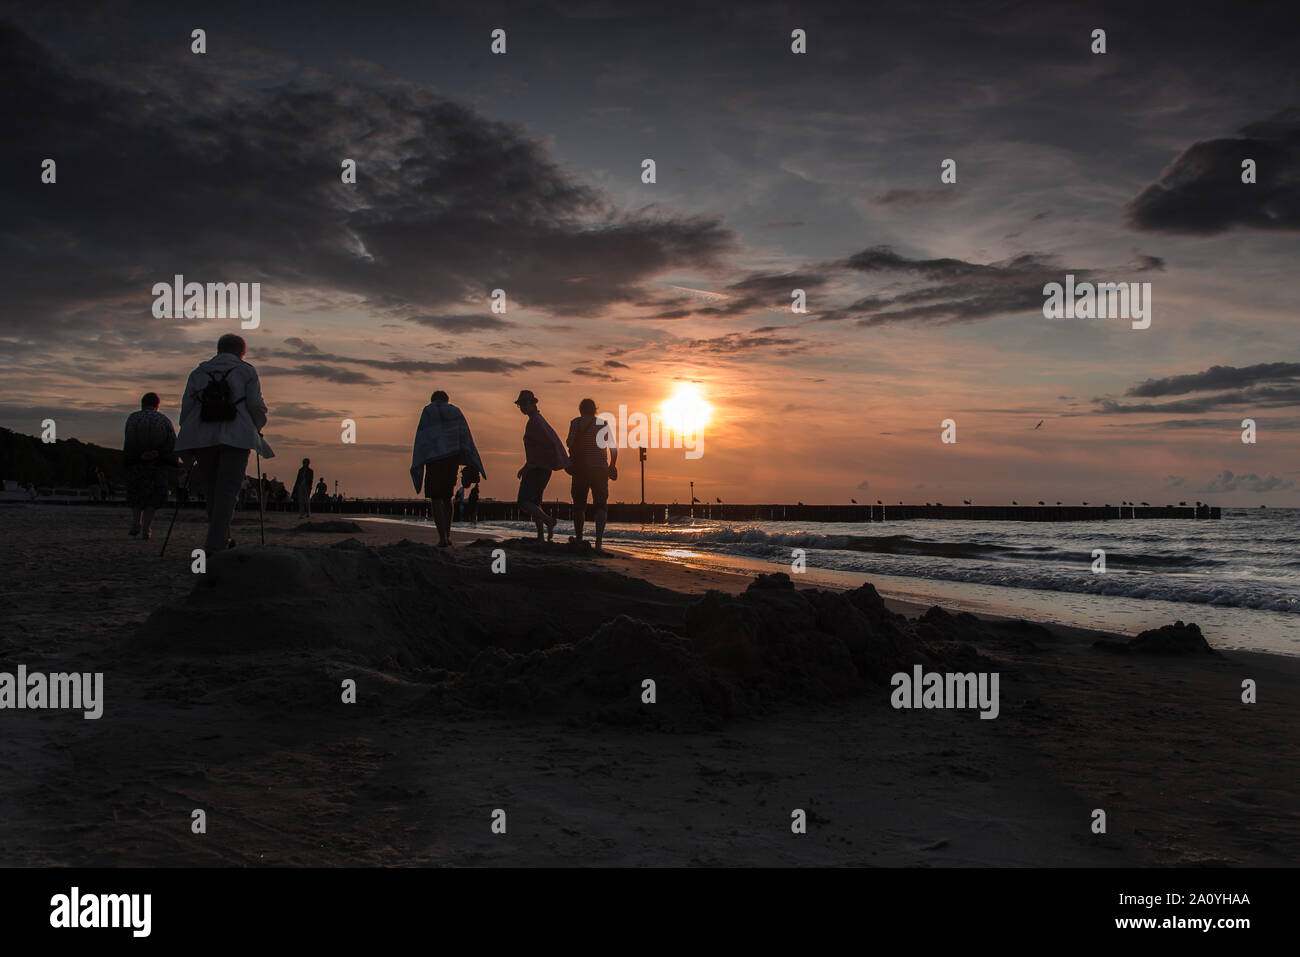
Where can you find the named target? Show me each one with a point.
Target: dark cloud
(594, 374)
(316, 370)
(755, 292)
(1265, 385)
(955, 291)
(461, 322)
(1218, 377)
(615, 364)
(1227, 481)
(171, 163)
(1201, 192)
(400, 366)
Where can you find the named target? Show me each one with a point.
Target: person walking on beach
(147, 453)
(222, 417)
(588, 439)
(543, 454)
(302, 489)
(471, 505)
(443, 443)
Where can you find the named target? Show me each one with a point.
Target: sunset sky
(775, 171)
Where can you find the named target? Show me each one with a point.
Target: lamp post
(641, 456)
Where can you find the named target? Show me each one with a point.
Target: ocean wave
(718, 536)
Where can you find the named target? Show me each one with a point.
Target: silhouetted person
(471, 505)
(588, 439)
(302, 489)
(543, 454)
(443, 443)
(459, 503)
(222, 416)
(147, 452)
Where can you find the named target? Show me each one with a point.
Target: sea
(1237, 577)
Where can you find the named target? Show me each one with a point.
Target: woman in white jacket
(222, 416)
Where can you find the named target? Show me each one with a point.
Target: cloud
(946, 291)
(461, 322)
(913, 198)
(1226, 481)
(1264, 385)
(1201, 192)
(447, 206)
(316, 370)
(734, 343)
(1217, 377)
(401, 366)
(593, 374)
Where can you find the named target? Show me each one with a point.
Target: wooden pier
(660, 514)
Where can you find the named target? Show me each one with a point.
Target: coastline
(245, 721)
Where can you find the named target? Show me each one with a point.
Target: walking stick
(188, 472)
(261, 489)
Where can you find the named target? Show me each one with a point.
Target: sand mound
(1175, 639)
(565, 638)
(518, 642)
(937, 625)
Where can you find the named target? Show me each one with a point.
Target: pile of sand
(550, 636)
(1175, 639)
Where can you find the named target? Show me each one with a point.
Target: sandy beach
(521, 691)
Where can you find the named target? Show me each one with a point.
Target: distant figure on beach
(302, 489)
(471, 505)
(147, 453)
(460, 503)
(222, 417)
(587, 441)
(543, 454)
(443, 443)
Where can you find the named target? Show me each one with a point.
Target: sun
(686, 412)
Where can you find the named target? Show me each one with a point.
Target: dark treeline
(66, 462)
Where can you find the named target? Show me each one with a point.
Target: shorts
(593, 478)
(532, 485)
(440, 477)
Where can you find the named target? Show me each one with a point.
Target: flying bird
(1040, 422)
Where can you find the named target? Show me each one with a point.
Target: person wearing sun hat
(544, 453)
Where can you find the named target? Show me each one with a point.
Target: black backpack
(215, 402)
